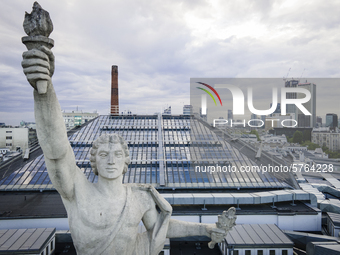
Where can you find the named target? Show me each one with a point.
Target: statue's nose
(111, 159)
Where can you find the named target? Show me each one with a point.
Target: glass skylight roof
(160, 155)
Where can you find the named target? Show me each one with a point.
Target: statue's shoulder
(138, 187)
(142, 191)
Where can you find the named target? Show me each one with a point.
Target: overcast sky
(159, 45)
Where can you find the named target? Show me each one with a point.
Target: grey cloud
(157, 52)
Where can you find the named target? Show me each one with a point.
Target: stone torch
(38, 26)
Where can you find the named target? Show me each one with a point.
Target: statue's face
(110, 160)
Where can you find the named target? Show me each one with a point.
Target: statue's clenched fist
(38, 65)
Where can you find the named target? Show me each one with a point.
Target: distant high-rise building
(278, 108)
(307, 120)
(167, 111)
(230, 114)
(263, 118)
(187, 109)
(318, 121)
(331, 120)
(204, 116)
(253, 122)
(290, 108)
(253, 116)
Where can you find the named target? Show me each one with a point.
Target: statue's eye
(103, 154)
(119, 154)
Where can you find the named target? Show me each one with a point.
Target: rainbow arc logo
(209, 93)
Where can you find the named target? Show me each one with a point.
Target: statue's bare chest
(101, 212)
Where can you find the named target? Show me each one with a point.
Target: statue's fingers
(35, 62)
(47, 51)
(34, 77)
(219, 231)
(50, 55)
(36, 69)
(34, 53)
(217, 237)
(220, 235)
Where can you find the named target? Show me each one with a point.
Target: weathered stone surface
(38, 22)
(104, 216)
(38, 26)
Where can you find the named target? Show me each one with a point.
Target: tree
(297, 137)
(334, 155)
(325, 149)
(310, 146)
(306, 135)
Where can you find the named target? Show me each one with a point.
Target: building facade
(276, 121)
(318, 121)
(278, 108)
(257, 239)
(333, 224)
(167, 111)
(326, 137)
(291, 84)
(169, 152)
(230, 115)
(253, 121)
(14, 138)
(77, 118)
(307, 120)
(187, 109)
(331, 121)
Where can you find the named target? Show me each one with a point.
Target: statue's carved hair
(105, 139)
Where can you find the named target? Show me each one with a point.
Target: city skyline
(262, 96)
(158, 48)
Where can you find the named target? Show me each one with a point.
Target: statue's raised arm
(38, 66)
(104, 217)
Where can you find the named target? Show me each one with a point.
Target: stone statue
(103, 216)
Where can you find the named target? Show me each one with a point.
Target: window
(8, 137)
(52, 245)
(8, 144)
(271, 252)
(260, 252)
(47, 251)
(247, 252)
(8, 131)
(235, 252)
(284, 252)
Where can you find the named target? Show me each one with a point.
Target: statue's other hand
(38, 64)
(216, 234)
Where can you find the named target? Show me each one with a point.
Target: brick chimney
(114, 91)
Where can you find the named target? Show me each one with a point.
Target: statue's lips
(111, 169)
